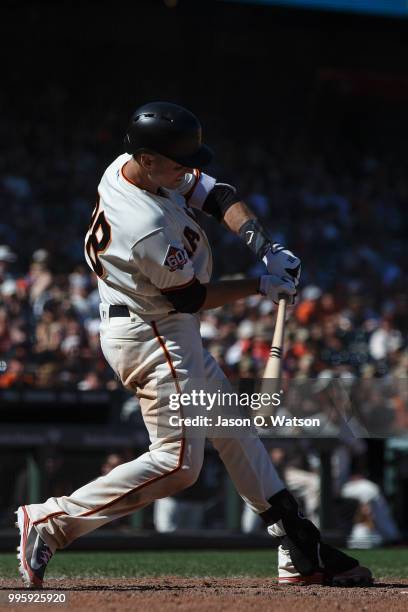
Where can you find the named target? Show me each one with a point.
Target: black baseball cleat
(356, 577)
(33, 553)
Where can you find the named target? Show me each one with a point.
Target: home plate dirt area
(221, 594)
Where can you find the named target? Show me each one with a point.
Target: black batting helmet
(170, 130)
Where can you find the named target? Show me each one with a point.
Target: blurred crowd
(342, 213)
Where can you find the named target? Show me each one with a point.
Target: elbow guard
(188, 298)
(220, 198)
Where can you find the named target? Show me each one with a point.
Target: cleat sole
(314, 579)
(25, 576)
(359, 577)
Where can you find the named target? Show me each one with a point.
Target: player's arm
(225, 292)
(195, 296)
(222, 201)
(162, 258)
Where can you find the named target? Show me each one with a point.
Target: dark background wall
(249, 67)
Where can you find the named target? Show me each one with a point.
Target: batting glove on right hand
(282, 262)
(273, 287)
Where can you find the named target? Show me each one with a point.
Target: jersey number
(98, 240)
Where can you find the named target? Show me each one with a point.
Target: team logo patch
(175, 258)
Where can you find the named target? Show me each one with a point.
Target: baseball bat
(273, 368)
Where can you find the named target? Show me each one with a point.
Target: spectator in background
(79, 297)
(49, 329)
(39, 279)
(385, 340)
(5, 336)
(111, 461)
(373, 523)
(7, 257)
(14, 375)
(90, 382)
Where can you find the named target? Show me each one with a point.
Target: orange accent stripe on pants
(152, 480)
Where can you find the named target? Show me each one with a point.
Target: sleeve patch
(175, 258)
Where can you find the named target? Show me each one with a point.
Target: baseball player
(153, 263)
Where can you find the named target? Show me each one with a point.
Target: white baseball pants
(145, 355)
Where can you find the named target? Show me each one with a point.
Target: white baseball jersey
(140, 244)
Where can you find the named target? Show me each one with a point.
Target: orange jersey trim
(125, 177)
(46, 518)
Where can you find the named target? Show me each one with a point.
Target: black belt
(117, 310)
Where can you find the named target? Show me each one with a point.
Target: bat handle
(277, 342)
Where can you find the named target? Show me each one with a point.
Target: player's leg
(155, 356)
(302, 553)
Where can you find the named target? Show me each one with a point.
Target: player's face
(167, 173)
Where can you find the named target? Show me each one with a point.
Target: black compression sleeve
(220, 198)
(255, 237)
(187, 299)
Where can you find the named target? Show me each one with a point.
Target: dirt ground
(175, 594)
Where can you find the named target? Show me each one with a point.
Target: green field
(383, 562)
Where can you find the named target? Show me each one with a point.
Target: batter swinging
(153, 263)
